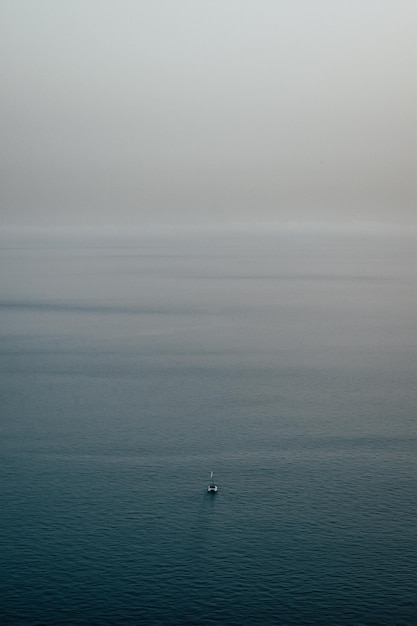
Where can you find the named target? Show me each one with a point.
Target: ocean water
(131, 369)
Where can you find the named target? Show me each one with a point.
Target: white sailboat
(212, 488)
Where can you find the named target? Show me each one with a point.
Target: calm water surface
(130, 370)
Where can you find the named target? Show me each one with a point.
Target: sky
(126, 114)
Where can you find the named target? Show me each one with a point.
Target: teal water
(129, 370)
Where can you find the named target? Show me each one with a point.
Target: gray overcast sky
(138, 112)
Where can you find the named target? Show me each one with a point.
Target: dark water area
(129, 370)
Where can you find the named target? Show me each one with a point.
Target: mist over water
(207, 262)
(285, 362)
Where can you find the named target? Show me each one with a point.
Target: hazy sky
(138, 112)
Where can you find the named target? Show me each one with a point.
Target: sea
(131, 367)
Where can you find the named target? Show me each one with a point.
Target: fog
(144, 115)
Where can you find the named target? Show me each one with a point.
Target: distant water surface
(129, 370)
